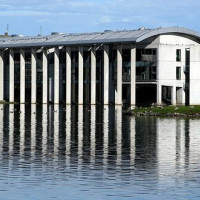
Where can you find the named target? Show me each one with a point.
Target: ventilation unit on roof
(17, 35)
(57, 33)
(142, 28)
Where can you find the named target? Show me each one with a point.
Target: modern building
(136, 67)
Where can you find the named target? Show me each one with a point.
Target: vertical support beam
(93, 76)
(159, 86)
(173, 95)
(106, 75)
(1, 76)
(22, 76)
(33, 77)
(118, 96)
(80, 75)
(45, 76)
(56, 76)
(11, 76)
(133, 76)
(68, 75)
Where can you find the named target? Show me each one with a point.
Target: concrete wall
(195, 75)
(167, 64)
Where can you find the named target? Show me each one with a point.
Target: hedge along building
(136, 67)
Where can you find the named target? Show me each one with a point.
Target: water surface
(76, 152)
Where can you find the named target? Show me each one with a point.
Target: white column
(68, 75)
(56, 75)
(22, 76)
(159, 86)
(80, 75)
(173, 95)
(106, 75)
(133, 76)
(93, 76)
(45, 76)
(33, 77)
(11, 76)
(1, 76)
(118, 96)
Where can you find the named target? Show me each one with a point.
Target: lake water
(76, 152)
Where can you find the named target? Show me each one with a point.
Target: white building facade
(139, 67)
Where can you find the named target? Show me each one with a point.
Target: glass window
(178, 73)
(178, 54)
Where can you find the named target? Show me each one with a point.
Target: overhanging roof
(133, 36)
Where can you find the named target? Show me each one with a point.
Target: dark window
(178, 55)
(178, 73)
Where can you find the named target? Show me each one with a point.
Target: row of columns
(118, 91)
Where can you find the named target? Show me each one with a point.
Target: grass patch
(163, 110)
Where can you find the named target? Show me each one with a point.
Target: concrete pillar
(11, 76)
(56, 76)
(22, 76)
(159, 94)
(33, 77)
(1, 76)
(80, 75)
(106, 75)
(93, 76)
(68, 75)
(183, 96)
(45, 76)
(118, 94)
(159, 86)
(133, 76)
(173, 95)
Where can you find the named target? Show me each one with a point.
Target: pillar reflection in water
(1, 126)
(105, 132)
(56, 130)
(22, 128)
(80, 134)
(118, 121)
(44, 129)
(132, 141)
(33, 130)
(92, 133)
(68, 130)
(11, 128)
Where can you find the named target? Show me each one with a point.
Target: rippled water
(58, 152)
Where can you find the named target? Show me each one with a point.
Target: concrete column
(93, 76)
(1, 76)
(133, 76)
(22, 76)
(11, 76)
(56, 75)
(183, 96)
(45, 76)
(159, 94)
(173, 95)
(80, 75)
(106, 75)
(118, 94)
(33, 77)
(68, 75)
(159, 86)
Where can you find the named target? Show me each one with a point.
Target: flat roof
(133, 36)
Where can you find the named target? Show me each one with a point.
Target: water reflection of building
(96, 138)
(109, 67)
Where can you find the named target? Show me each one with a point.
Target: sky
(32, 17)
